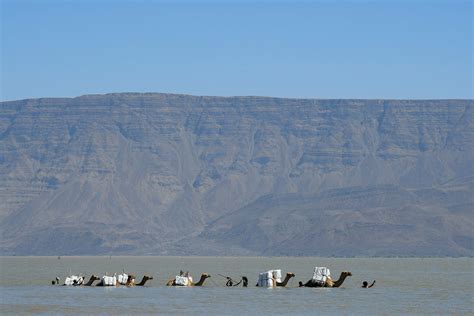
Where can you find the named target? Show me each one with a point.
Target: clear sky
(323, 49)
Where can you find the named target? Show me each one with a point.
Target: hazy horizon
(230, 96)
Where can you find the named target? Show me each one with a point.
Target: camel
(131, 280)
(288, 276)
(329, 281)
(270, 278)
(203, 278)
(72, 280)
(92, 279)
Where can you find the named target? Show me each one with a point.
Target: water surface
(404, 286)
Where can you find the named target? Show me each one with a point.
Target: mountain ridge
(172, 94)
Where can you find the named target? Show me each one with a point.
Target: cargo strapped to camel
(109, 280)
(74, 280)
(122, 278)
(269, 278)
(320, 275)
(181, 280)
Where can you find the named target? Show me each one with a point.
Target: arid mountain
(176, 174)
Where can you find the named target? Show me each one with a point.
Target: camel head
(95, 277)
(205, 275)
(290, 274)
(147, 277)
(347, 273)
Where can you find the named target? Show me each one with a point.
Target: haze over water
(404, 286)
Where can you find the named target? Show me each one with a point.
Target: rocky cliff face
(177, 174)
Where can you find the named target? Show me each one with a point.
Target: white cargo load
(269, 278)
(109, 280)
(74, 280)
(181, 280)
(265, 279)
(321, 274)
(277, 275)
(122, 278)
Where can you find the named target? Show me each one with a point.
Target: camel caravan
(122, 279)
(267, 279)
(321, 278)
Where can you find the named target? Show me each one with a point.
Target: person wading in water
(230, 282)
(366, 285)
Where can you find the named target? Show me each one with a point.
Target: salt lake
(412, 286)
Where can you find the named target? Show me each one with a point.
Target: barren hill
(177, 174)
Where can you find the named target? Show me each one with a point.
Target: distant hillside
(176, 174)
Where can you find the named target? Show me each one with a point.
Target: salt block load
(122, 278)
(74, 280)
(181, 280)
(320, 275)
(269, 278)
(109, 280)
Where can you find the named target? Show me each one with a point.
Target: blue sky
(322, 49)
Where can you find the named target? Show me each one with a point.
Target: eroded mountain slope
(177, 174)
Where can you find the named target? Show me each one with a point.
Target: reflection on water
(404, 286)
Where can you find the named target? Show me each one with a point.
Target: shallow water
(404, 286)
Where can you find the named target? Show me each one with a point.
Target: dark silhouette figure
(244, 282)
(56, 281)
(366, 285)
